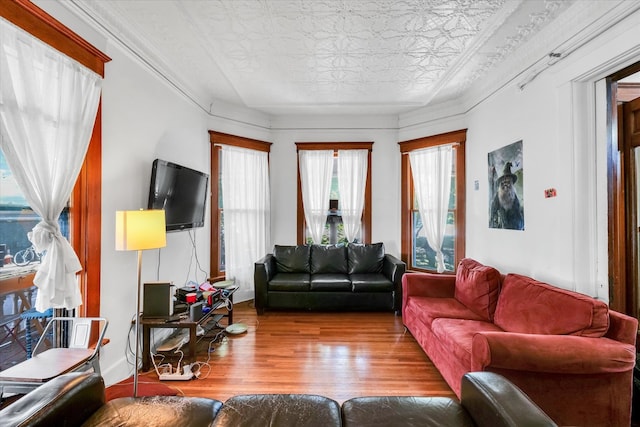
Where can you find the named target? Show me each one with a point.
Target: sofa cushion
(159, 411)
(328, 259)
(427, 309)
(297, 282)
(282, 410)
(404, 411)
(365, 258)
(330, 282)
(457, 336)
(371, 282)
(477, 287)
(292, 259)
(528, 306)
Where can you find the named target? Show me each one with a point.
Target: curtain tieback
(42, 235)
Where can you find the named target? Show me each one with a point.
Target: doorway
(623, 159)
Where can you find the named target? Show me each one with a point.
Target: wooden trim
(214, 261)
(238, 141)
(461, 201)
(407, 189)
(432, 141)
(335, 146)
(88, 245)
(406, 185)
(40, 24)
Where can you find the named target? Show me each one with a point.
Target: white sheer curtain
(352, 180)
(48, 105)
(247, 211)
(431, 170)
(316, 167)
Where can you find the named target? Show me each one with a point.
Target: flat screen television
(181, 192)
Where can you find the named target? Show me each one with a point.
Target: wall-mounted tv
(181, 192)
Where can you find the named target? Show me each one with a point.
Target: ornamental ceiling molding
(574, 26)
(358, 56)
(119, 27)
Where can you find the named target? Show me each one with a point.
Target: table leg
(146, 347)
(192, 342)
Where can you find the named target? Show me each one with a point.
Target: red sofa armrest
(428, 285)
(550, 353)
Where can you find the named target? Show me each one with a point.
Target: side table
(185, 322)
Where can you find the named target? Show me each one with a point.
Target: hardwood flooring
(338, 355)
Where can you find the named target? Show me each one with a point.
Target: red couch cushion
(477, 287)
(428, 309)
(456, 335)
(528, 306)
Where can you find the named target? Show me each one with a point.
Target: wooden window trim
(335, 146)
(460, 137)
(85, 213)
(216, 139)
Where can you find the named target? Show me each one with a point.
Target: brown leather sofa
(355, 277)
(78, 399)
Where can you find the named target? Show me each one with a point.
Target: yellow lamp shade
(140, 230)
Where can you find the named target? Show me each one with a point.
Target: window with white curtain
(225, 216)
(344, 214)
(80, 218)
(433, 205)
(246, 202)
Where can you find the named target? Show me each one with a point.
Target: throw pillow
(292, 259)
(365, 258)
(477, 287)
(328, 259)
(531, 307)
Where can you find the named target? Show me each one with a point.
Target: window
(218, 259)
(16, 220)
(80, 221)
(334, 227)
(85, 204)
(416, 252)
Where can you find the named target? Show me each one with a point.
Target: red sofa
(572, 355)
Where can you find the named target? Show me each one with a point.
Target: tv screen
(181, 192)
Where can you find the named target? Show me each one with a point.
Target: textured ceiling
(324, 56)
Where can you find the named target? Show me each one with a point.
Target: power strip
(177, 376)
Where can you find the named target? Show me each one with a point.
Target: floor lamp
(138, 231)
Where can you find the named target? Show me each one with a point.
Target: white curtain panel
(247, 211)
(316, 168)
(431, 171)
(352, 180)
(48, 106)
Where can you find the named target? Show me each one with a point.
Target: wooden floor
(338, 355)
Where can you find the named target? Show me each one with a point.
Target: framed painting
(506, 181)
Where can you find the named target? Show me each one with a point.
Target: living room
(558, 114)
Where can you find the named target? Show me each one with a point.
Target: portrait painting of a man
(506, 202)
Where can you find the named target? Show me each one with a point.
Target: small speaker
(195, 311)
(157, 301)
